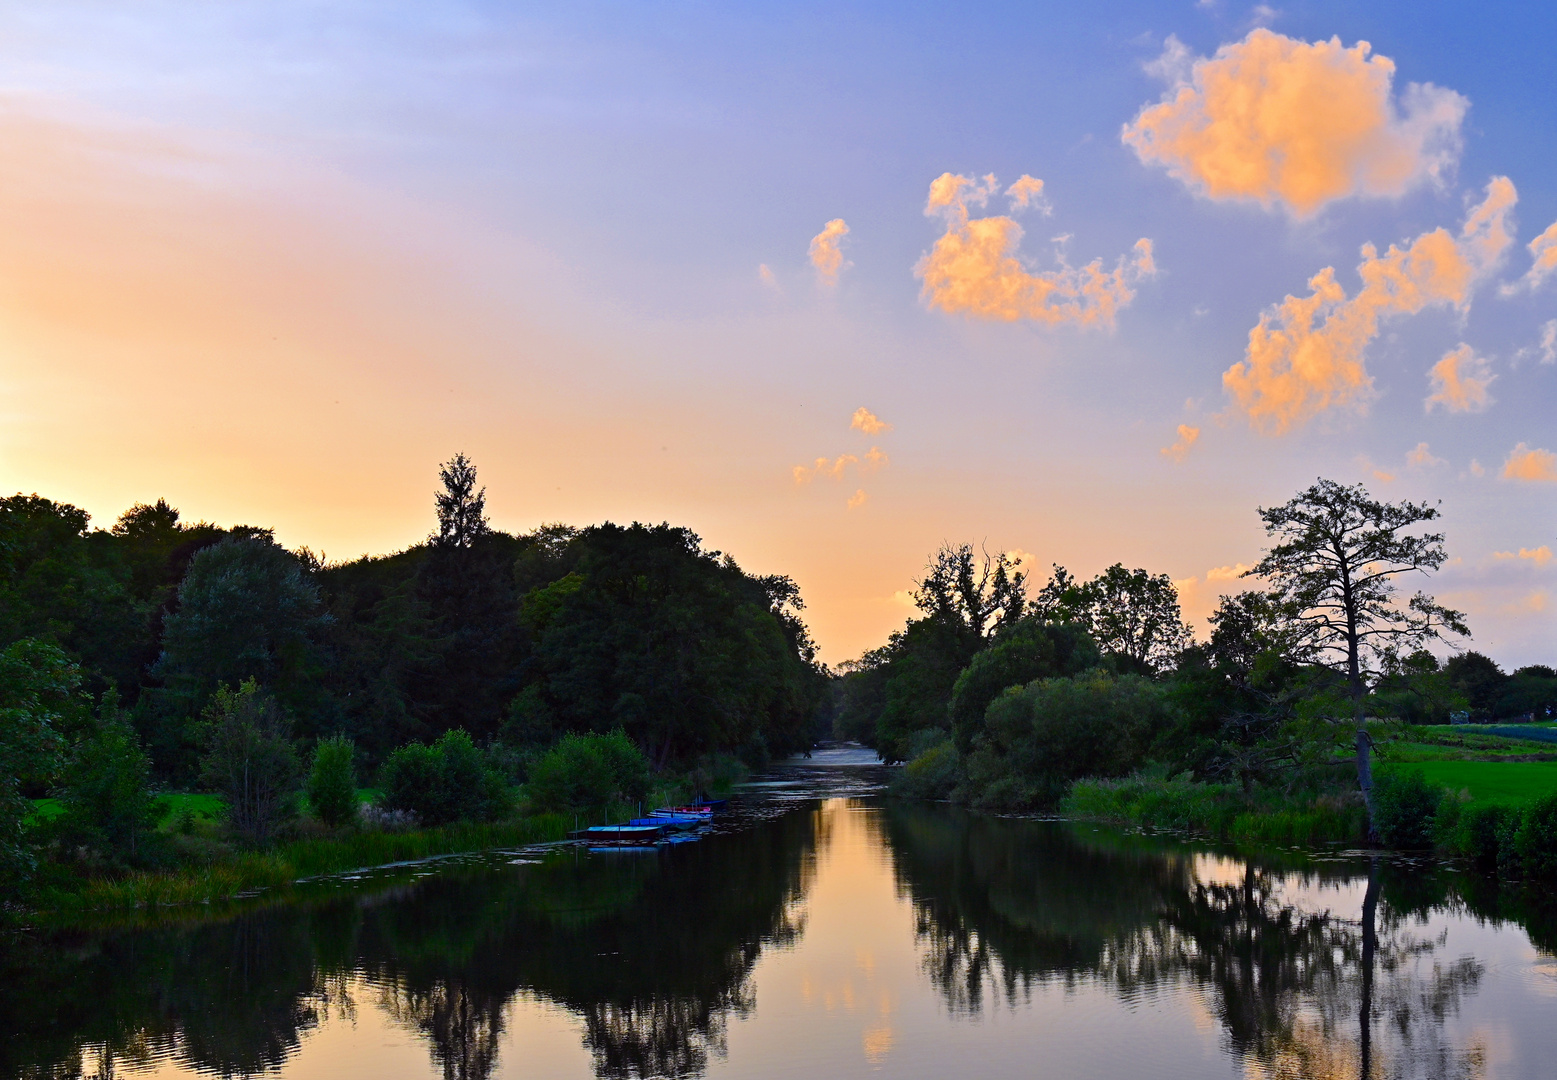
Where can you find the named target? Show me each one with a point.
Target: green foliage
(1029, 650)
(1404, 808)
(332, 781)
(585, 772)
(933, 773)
(1223, 811)
(1131, 614)
(249, 760)
(1479, 678)
(105, 787)
(37, 700)
(1534, 839)
(1040, 737)
(451, 780)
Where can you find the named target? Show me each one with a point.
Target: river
(823, 931)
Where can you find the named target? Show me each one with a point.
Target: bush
(450, 780)
(332, 782)
(1040, 737)
(1477, 832)
(106, 787)
(589, 772)
(932, 774)
(1404, 807)
(1535, 839)
(249, 760)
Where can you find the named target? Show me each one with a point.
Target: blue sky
(277, 261)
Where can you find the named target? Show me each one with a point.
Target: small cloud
(858, 499)
(1228, 573)
(1025, 560)
(1279, 121)
(829, 467)
(973, 268)
(1532, 466)
(1539, 556)
(868, 422)
(1027, 191)
(1264, 15)
(765, 276)
(875, 459)
(1543, 256)
(826, 254)
(1459, 382)
(905, 598)
(1476, 468)
(1549, 341)
(1383, 477)
(1422, 457)
(1179, 450)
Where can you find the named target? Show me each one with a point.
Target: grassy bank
(1219, 811)
(225, 873)
(1502, 783)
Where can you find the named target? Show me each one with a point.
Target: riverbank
(223, 874)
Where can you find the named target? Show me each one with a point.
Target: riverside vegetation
(189, 712)
(1314, 714)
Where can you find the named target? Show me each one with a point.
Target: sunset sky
(830, 284)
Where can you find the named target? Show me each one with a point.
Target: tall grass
(287, 863)
(1222, 811)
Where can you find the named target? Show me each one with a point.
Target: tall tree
(978, 593)
(461, 508)
(1131, 614)
(1332, 574)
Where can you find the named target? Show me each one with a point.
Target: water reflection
(884, 939)
(1301, 988)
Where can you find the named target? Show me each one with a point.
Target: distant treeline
(517, 640)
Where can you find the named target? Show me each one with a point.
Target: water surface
(823, 932)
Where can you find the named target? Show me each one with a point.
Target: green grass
(1506, 783)
(226, 877)
(1217, 810)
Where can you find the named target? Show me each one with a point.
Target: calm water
(825, 933)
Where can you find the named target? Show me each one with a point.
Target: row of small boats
(667, 825)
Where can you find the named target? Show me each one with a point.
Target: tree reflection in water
(653, 952)
(1004, 906)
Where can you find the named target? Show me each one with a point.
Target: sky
(830, 284)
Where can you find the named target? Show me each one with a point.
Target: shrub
(332, 782)
(932, 774)
(1404, 806)
(1535, 839)
(448, 781)
(1040, 737)
(249, 760)
(1477, 832)
(106, 786)
(589, 771)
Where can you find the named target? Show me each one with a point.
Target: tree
(1131, 614)
(1332, 575)
(249, 760)
(332, 782)
(1479, 678)
(1031, 649)
(461, 508)
(980, 594)
(37, 699)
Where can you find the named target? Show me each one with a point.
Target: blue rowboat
(671, 821)
(620, 833)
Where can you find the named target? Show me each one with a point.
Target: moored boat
(620, 833)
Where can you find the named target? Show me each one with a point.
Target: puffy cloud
(1228, 573)
(1534, 466)
(826, 254)
(765, 276)
(1307, 355)
(868, 422)
(1543, 256)
(1549, 341)
(1477, 469)
(1027, 191)
(875, 459)
(1179, 450)
(829, 467)
(973, 268)
(1421, 456)
(1539, 556)
(1460, 381)
(858, 499)
(1277, 120)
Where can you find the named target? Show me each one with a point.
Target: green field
(1510, 783)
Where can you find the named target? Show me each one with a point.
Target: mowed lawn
(1507, 782)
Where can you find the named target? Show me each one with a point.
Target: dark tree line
(515, 639)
